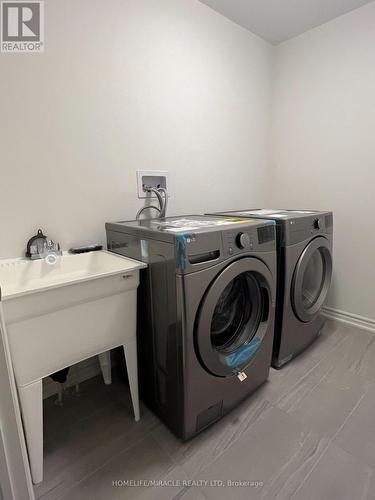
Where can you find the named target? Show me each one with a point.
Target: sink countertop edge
(5, 296)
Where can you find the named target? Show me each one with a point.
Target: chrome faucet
(39, 247)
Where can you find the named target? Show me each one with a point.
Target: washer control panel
(235, 242)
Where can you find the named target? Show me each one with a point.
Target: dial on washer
(316, 224)
(243, 240)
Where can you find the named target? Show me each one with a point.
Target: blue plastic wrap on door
(242, 355)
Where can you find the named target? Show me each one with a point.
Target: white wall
(126, 85)
(142, 84)
(324, 144)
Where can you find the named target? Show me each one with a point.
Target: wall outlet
(151, 178)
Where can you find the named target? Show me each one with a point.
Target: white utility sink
(24, 276)
(57, 315)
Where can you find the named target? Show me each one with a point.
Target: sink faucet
(39, 247)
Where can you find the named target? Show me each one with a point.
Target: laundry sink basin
(57, 315)
(23, 276)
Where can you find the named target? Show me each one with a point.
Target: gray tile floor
(308, 433)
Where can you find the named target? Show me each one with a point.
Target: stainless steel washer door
(233, 317)
(312, 279)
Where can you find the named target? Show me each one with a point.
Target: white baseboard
(351, 319)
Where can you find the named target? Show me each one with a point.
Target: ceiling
(279, 20)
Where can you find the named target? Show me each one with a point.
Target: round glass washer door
(312, 279)
(233, 317)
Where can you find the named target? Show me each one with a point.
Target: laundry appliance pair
(207, 303)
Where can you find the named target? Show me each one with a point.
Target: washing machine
(205, 315)
(304, 247)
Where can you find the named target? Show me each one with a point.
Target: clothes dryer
(304, 248)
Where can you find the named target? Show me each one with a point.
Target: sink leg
(31, 402)
(105, 366)
(130, 350)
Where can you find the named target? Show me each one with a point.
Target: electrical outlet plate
(151, 178)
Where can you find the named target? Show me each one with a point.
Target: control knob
(243, 240)
(316, 224)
